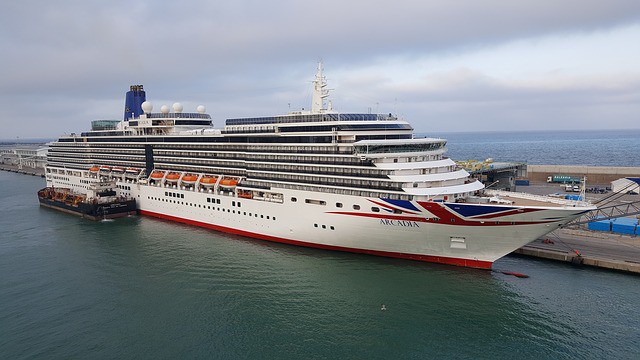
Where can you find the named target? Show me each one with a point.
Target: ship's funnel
(133, 102)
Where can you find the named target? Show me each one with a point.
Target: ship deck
(524, 199)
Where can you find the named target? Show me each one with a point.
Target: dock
(588, 248)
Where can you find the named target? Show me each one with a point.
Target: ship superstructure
(320, 178)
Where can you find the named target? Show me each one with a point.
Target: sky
(456, 65)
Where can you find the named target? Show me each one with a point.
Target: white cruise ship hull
(426, 231)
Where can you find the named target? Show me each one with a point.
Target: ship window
(293, 199)
(208, 200)
(274, 218)
(324, 226)
(395, 160)
(339, 205)
(375, 209)
(261, 216)
(315, 202)
(267, 217)
(356, 207)
(332, 228)
(397, 211)
(233, 203)
(239, 204)
(315, 225)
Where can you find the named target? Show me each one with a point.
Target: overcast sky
(456, 65)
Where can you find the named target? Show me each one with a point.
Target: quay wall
(601, 175)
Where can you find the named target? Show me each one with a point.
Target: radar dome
(164, 109)
(177, 107)
(147, 107)
(201, 109)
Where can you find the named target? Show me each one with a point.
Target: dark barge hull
(97, 211)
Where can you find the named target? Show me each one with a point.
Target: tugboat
(100, 202)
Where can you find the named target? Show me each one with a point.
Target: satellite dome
(177, 108)
(164, 109)
(201, 109)
(147, 107)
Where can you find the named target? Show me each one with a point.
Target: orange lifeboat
(157, 175)
(173, 177)
(189, 179)
(208, 181)
(94, 169)
(228, 183)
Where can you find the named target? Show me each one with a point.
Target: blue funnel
(133, 102)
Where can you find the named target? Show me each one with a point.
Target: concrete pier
(588, 248)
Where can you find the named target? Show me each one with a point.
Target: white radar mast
(319, 92)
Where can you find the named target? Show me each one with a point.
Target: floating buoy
(384, 307)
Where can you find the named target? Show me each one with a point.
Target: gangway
(605, 213)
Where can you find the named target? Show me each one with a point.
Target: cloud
(66, 63)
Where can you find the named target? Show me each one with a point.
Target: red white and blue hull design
(470, 235)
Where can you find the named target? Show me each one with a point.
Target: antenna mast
(319, 92)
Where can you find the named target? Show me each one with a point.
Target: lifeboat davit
(173, 177)
(131, 172)
(189, 179)
(94, 169)
(228, 183)
(157, 175)
(208, 181)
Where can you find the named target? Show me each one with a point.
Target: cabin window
(293, 199)
(339, 205)
(356, 207)
(375, 209)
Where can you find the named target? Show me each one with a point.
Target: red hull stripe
(428, 258)
(506, 213)
(380, 216)
(446, 218)
(449, 218)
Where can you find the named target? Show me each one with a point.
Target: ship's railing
(298, 118)
(543, 198)
(178, 116)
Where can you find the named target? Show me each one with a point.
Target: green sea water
(142, 288)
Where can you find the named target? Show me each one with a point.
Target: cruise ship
(355, 182)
